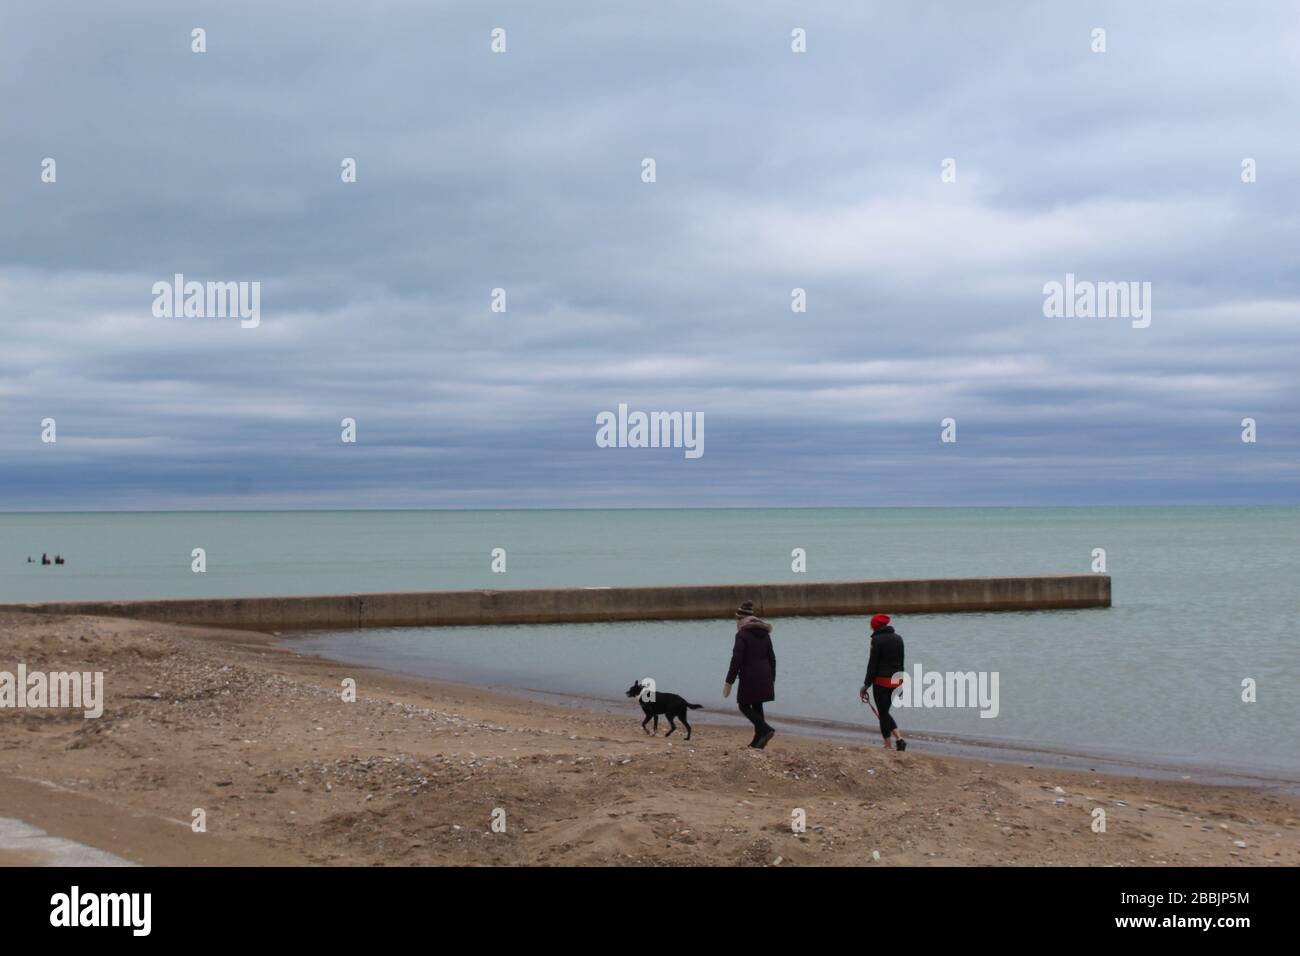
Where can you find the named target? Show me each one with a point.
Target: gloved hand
(862, 693)
(726, 690)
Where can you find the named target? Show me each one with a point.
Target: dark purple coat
(754, 662)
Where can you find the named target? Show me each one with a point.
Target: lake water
(1204, 599)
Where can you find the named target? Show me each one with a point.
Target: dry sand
(411, 773)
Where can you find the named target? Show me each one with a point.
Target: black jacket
(754, 662)
(886, 658)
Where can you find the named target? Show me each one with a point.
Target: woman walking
(885, 661)
(754, 662)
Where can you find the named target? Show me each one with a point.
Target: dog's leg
(644, 722)
(687, 726)
(671, 726)
(656, 725)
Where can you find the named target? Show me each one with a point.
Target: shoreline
(411, 773)
(939, 744)
(1008, 751)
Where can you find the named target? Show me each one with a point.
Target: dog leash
(867, 700)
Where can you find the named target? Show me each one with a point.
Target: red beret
(879, 621)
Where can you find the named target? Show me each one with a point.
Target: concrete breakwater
(577, 605)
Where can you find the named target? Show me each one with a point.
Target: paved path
(22, 844)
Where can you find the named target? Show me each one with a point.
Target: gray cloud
(522, 171)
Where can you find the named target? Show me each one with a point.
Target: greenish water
(1204, 598)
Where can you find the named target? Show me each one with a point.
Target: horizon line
(1003, 507)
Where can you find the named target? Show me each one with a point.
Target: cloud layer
(522, 171)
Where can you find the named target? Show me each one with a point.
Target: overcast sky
(523, 171)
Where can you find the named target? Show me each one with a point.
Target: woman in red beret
(885, 661)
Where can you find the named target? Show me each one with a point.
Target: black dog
(670, 705)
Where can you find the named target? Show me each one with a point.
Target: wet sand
(1022, 753)
(414, 772)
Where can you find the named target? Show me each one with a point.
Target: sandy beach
(411, 773)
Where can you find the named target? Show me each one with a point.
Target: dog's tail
(692, 706)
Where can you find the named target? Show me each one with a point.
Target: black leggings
(884, 697)
(754, 714)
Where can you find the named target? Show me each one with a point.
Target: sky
(522, 170)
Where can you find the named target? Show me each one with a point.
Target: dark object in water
(45, 559)
(58, 559)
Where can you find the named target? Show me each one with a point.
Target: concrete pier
(561, 605)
